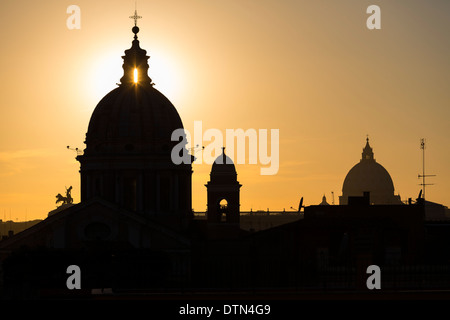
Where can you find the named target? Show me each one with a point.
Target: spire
(224, 159)
(135, 16)
(135, 61)
(367, 153)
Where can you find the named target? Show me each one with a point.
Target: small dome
(223, 170)
(324, 201)
(223, 164)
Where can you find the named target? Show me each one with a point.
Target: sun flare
(135, 74)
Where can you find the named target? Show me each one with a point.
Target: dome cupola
(367, 153)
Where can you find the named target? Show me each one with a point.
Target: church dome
(369, 176)
(132, 119)
(128, 156)
(135, 117)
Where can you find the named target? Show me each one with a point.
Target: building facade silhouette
(134, 228)
(127, 159)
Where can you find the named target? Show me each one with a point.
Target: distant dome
(369, 176)
(324, 201)
(130, 119)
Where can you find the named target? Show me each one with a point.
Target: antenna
(332, 199)
(78, 151)
(423, 175)
(195, 149)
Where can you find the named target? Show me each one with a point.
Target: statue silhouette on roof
(67, 199)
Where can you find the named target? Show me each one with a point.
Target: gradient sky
(311, 69)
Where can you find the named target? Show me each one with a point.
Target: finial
(367, 137)
(224, 157)
(135, 28)
(135, 17)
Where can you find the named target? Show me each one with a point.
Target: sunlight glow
(103, 73)
(167, 74)
(135, 75)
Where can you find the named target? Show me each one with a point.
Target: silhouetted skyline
(323, 80)
(134, 229)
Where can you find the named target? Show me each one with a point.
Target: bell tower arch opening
(222, 209)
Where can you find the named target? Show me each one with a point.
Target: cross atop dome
(135, 17)
(135, 29)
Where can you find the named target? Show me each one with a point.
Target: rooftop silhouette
(135, 231)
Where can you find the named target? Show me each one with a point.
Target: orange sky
(311, 69)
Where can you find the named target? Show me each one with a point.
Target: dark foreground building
(134, 229)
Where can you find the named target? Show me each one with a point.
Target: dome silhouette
(223, 169)
(223, 164)
(369, 176)
(136, 119)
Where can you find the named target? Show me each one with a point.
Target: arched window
(223, 204)
(223, 209)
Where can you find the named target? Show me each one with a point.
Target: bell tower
(223, 193)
